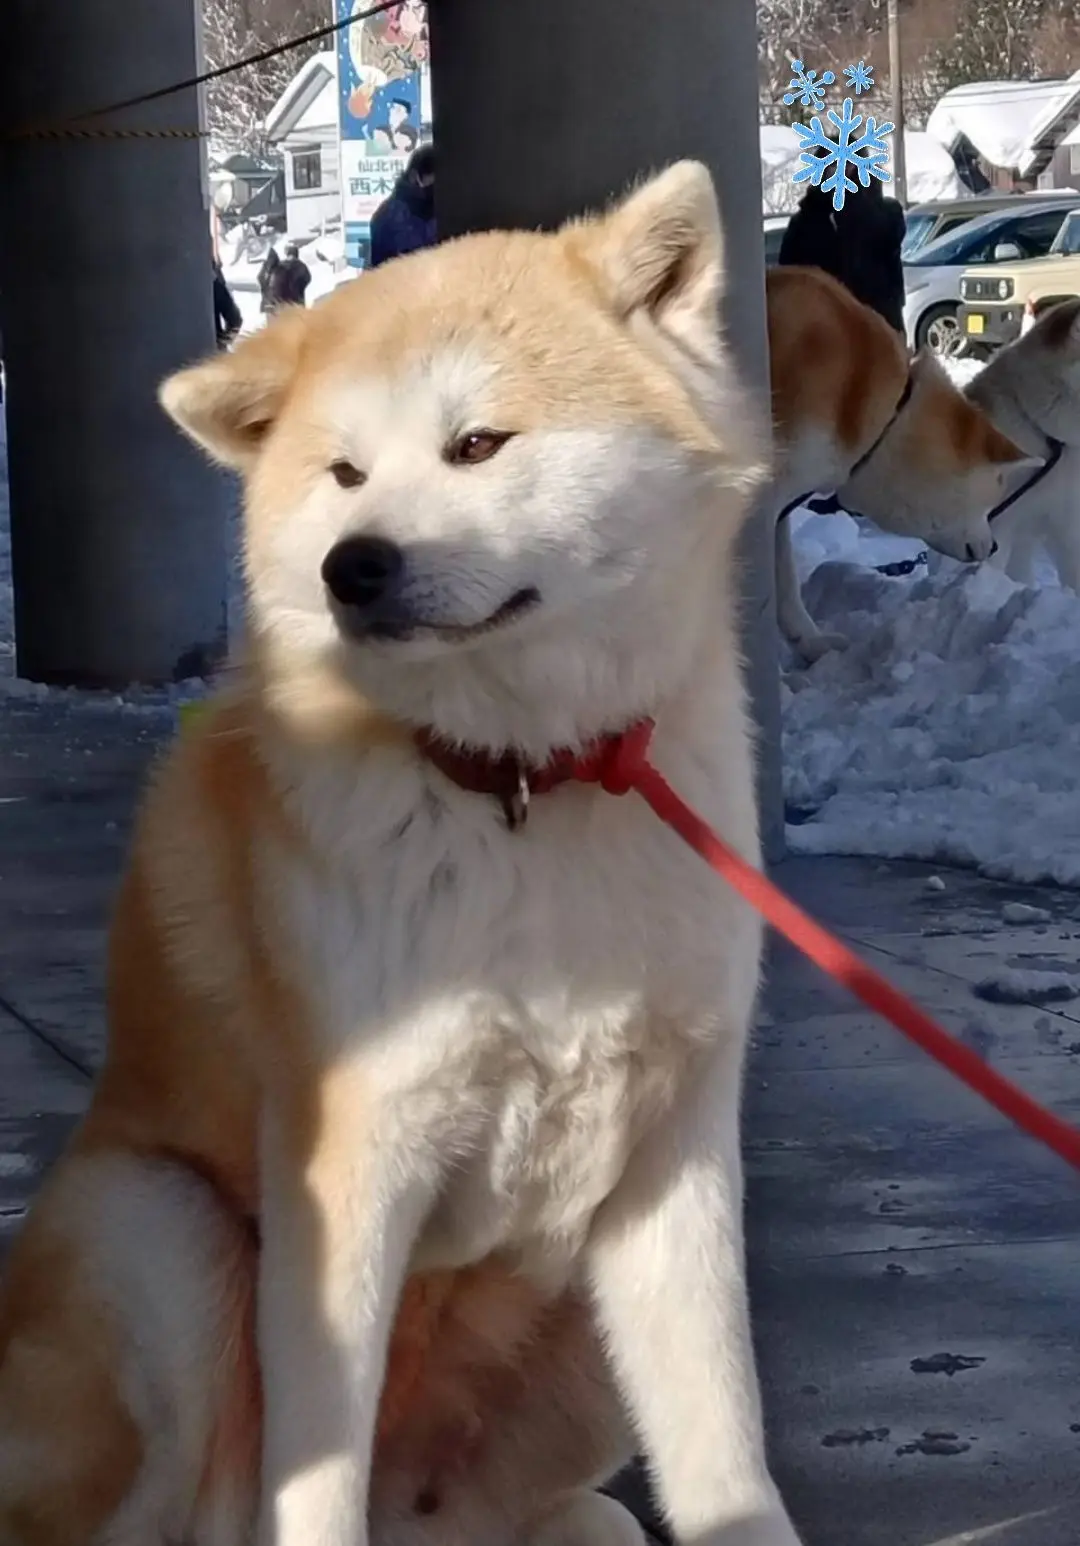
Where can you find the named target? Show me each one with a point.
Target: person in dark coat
(227, 316)
(291, 279)
(812, 239)
(871, 232)
(405, 221)
(859, 245)
(266, 280)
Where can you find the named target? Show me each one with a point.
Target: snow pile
(949, 730)
(931, 173)
(1011, 985)
(1003, 119)
(930, 169)
(779, 159)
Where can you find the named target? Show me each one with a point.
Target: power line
(207, 76)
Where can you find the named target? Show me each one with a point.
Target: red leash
(628, 768)
(619, 763)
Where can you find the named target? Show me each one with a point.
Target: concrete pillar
(118, 529)
(596, 95)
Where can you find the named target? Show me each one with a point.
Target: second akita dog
(424, 1074)
(896, 440)
(1031, 390)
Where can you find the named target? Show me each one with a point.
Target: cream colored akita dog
(421, 1091)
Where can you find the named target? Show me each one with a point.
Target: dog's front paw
(767, 1525)
(774, 1529)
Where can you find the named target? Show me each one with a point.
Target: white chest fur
(524, 1003)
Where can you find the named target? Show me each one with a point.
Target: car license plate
(976, 323)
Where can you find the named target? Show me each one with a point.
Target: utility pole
(896, 88)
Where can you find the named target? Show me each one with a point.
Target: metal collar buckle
(515, 804)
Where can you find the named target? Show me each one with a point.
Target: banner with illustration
(384, 108)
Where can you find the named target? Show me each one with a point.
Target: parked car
(932, 277)
(1001, 298)
(775, 226)
(938, 217)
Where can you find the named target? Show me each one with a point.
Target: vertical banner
(384, 108)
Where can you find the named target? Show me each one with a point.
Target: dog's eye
(480, 445)
(345, 475)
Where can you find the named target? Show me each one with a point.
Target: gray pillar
(118, 529)
(544, 108)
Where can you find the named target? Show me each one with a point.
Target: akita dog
(424, 1074)
(1031, 390)
(893, 437)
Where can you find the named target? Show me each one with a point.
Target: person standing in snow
(270, 265)
(227, 317)
(292, 278)
(871, 231)
(405, 221)
(859, 245)
(812, 239)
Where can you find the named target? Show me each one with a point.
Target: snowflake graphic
(806, 88)
(865, 155)
(860, 77)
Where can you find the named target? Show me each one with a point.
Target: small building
(236, 179)
(1010, 135)
(303, 123)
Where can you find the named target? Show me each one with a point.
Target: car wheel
(939, 331)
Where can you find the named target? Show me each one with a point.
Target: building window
(306, 170)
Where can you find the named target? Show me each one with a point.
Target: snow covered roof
(931, 172)
(779, 155)
(315, 80)
(1012, 124)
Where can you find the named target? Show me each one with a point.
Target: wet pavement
(915, 1263)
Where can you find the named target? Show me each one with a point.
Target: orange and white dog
(894, 438)
(412, 1104)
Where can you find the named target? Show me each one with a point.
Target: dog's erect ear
(228, 403)
(661, 251)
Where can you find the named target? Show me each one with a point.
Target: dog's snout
(360, 571)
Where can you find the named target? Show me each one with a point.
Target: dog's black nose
(993, 549)
(360, 571)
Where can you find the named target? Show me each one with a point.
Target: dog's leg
(123, 1316)
(343, 1203)
(1062, 536)
(796, 624)
(666, 1265)
(586, 1519)
(530, 1417)
(1017, 541)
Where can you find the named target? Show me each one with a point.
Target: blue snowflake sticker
(806, 88)
(826, 162)
(860, 77)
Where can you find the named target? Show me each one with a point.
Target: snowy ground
(949, 730)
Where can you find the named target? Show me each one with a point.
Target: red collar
(611, 761)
